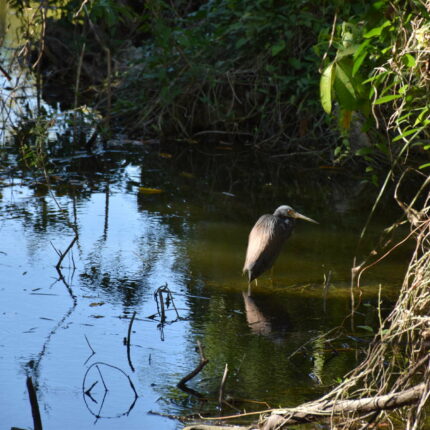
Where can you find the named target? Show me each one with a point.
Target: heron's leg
(271, 276)
(249, 287)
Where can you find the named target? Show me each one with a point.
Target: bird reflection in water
(256, 320)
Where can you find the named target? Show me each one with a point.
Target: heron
(266, 239)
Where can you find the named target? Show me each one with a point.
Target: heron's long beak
(300, 216)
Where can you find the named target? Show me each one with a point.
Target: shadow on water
(101, 347)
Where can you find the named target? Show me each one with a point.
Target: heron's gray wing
(264, 244)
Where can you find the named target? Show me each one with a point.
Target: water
(66, 328)
(68, 334)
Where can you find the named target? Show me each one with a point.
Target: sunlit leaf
(420, 117)
(387, 99)
(377, 30)
(424, 166)
(406, 134)
(403, 89)
(165, 155)
(375, 77)
(326, 84)
(145, 190)
(408, 60)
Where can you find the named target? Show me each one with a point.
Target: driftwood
(316, 411)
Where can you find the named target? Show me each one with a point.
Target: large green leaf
(326, 84)
(344, 86)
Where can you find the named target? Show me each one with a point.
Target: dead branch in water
(35, 411)
(129, 341)
(197, 370)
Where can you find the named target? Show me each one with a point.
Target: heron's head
(286, 211)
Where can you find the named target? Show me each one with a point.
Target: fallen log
(315, 411)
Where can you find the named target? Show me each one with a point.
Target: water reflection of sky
(117, 270)
(127, 248)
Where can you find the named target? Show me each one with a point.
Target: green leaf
(403, 89)
(382, 147)
(344, 86)
(366, 327)
(326, 84)
(376, 77)
(364, 151)
(406, 133)
(387, 99)
(347, 51)
(361, 48)
(278, 47)
(423, 166)
(241, 42)
(358, 62)
(420, 117)
(408, 60)
(377, 30)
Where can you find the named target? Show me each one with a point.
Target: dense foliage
(254, 71)
(379, 66)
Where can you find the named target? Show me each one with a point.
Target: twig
(223, 381)
(92, 350)
(37, 421)
(63, 254)
(162, 313)
(78, 76)
(6, 74)
(128, 341)
(197, 370)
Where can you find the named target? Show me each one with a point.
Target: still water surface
(68, 333)
(66, 328)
